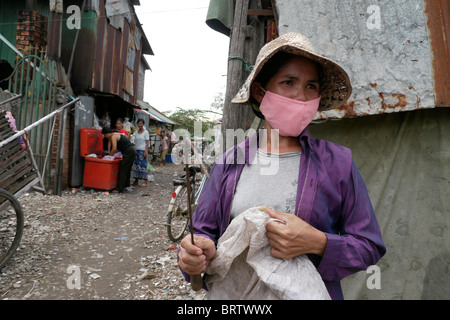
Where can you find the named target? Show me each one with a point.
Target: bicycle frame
(175, 226)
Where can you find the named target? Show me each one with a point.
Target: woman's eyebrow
(293, 77)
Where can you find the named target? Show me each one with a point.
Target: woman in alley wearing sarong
(141, 140)
(315, 196)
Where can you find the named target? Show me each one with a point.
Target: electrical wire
(104, 16)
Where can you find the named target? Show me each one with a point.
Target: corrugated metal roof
(149, 114)
(154, 112)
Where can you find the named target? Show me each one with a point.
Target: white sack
(244, 269)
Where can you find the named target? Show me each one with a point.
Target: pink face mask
(289, 116)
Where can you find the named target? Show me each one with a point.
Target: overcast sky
(190, 62)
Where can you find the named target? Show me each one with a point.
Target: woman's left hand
(294, 237)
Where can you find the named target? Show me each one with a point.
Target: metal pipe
(47, 117)
(10, 99)
(48, 148)
(20, 54)
(59, 153)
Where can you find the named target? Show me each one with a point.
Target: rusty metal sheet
(98, 63)
(111, 74)
(108, 50)
(116, 62)
(128, 80)
(385, 48)
(117, 11)
(438, 12)
(137, 63)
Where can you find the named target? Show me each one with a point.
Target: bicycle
(11, 226)
(178, 211)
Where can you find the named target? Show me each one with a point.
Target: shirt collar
(247, 149)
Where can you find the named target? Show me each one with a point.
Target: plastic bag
(133, 139)
(243, 268)
(12, 123)
(127, 125)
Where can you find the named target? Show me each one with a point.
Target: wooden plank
(260, 12)
(15, 188)
(28, 186)
(14, 170)
(18, 171)
(16, 179)
(9, 150)
(10, 162)
(9, 158)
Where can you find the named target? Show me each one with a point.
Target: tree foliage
(186, 119)
(218, 102)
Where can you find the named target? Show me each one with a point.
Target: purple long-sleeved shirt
(331, 196)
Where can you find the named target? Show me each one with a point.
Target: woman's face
(119, 125)
(140, 124)
(297, 79)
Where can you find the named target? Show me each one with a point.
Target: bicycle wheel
(11, 226)
(178, 215)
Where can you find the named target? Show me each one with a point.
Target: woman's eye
(287, 82)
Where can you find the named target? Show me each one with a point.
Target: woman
(141, 138)
(164, 148)
(120, 129)
(316, 191)
(119, 143)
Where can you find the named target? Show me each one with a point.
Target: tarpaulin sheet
(404, 159)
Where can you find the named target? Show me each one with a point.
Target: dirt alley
(89, 244)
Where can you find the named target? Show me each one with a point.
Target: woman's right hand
(194, 258)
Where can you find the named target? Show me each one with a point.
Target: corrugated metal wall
(108, 52)
(8, 28)
(385, 47)
(117, 58)
(397, 55)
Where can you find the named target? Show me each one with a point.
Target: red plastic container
(98, 173)
(91, 141)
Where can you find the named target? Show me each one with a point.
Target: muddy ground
(90, 244)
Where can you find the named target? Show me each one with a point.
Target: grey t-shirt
(271, 180)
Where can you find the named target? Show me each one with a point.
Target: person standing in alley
(164, 147)
(120, 143)
(141, 139)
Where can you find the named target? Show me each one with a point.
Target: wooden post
(233, 114)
